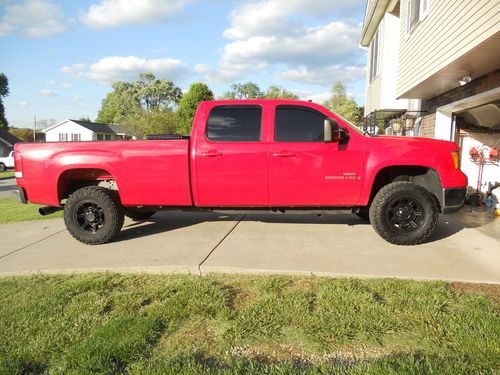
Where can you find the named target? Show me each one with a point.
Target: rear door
(306, 171)
(231, 158)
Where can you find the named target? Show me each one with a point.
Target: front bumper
(453, 199)
(18, 195)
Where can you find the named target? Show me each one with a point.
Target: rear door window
(234, 124)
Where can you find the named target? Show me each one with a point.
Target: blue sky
(61, 56)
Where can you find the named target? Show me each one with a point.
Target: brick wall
(427, 126)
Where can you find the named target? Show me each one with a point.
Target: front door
(306, 171)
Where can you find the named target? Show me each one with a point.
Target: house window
(100, 137)
(63, 137)
(108, 137)
(417, 11)
(75, 137)
(375, 55)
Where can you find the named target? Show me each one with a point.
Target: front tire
(404, 213)
(93, 215)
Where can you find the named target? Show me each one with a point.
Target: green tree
(143, 107)
(188, 104)
(344, 105)
(4, 91)
(277, 92)
(247, 90)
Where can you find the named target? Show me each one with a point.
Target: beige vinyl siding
(373, 95)
(452, 28)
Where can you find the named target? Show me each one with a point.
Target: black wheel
(404, 213)
(3, 168)
(139, 215)
(363, 214)
(93, 215)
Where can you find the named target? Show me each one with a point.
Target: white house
(439, 61)
(7, 142)
(75, 131)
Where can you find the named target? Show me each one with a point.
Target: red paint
(205, 173)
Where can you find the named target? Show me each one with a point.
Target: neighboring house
(7, 142)
(438, 61)
(76, 131)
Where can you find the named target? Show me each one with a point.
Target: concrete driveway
(465, 247)
(6, 186)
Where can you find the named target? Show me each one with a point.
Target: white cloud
(272, 17)
(127, 68)
(272, 35)
(114, 13)
(23, 103)
(33, 18)
(324, 76)
(66, 85)
(48, 93)
(50, 82)
(75, 70)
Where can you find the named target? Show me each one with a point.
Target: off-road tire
(139, 215)
(110, 211)
(391, 206)
(3, 168)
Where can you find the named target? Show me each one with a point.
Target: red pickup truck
(274, 155)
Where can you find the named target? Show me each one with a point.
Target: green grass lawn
(6, 174)
(165, 324)
(11, 212)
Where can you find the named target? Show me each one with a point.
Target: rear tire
(139, 215)
(404, 213)
(93, 215)
(3, 168)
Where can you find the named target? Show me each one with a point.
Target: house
(7, 142)
(437, 62)
(76, 130)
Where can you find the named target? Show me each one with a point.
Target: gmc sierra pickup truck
(275, 155)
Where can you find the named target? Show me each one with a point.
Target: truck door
(306, 171)
(231, 160)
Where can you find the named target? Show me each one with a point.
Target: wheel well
(426, 177)
(74, 179)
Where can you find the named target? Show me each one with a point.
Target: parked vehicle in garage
(7, 162)
(278, 155)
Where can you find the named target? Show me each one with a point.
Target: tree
(343, 105)
(247, 90)
(147, 95)
(188, 104)
(4, 91)
(277, 92)
(143, 107)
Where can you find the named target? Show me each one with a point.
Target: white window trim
(377, 36)
(422, 15)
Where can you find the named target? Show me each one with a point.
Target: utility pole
(34, 131)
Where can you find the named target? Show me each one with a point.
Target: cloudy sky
(61, 56)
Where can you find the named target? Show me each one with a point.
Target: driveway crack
(220, 242)
(31, 244)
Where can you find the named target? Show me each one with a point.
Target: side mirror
(330, 126)
(333, 132)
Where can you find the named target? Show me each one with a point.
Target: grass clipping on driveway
(143, 324)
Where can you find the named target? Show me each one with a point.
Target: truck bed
(151, 172)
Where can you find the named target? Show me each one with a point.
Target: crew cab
(276, 155)
(7, 162)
